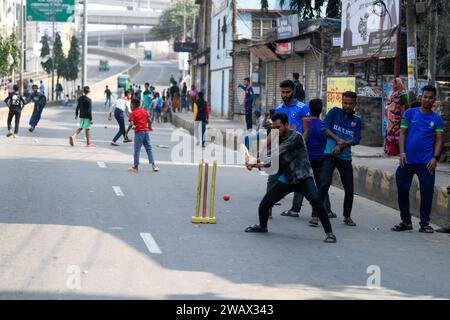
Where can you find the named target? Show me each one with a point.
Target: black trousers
(280, 190)
(249, 119)
(119, 115)
(345, 169)
(14, 113)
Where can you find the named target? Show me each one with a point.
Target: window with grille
(260, 27)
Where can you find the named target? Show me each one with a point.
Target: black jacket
(15, 102)
(84, 108)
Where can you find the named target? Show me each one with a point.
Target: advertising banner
(369, 29)
(336, 86)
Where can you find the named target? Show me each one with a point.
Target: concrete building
(232, 21)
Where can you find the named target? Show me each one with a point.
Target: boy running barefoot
(84, 108)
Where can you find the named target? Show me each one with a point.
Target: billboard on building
(287, 27)
(369, 29)
(336, 86)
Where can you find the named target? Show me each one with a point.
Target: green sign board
(51, 10)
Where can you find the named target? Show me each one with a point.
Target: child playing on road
(140, 120)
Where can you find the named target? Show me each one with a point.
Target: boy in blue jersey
(298, 115)
(419, 155)
(248, 102)
(343, 130)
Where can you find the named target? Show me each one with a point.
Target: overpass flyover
(125, 17)
(140, 4)
(119, 37)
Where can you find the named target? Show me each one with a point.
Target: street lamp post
(85, 43)
(22, 46)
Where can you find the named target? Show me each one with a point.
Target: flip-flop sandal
(314, 222)
(443, 230)
(255, 229)
(426, 229)
(330, 238)
(349, 222)
(289, 213)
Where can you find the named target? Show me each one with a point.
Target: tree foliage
(9, 48)
(47, 61)
(58, 56)
(71, 64)
(309, 9)
(171, 21)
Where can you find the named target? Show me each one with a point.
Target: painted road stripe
(101, 164)
(151, 244)
(118, 191)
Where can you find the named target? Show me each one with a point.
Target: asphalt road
(66, 232)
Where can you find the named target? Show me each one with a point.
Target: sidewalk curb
(371, 183)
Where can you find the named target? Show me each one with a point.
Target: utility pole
(412, 49)
(184, 37)
(53, 49)
(433, 29)
(84, 66)
(22, 46)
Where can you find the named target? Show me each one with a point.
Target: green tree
(47, 61)
(4, 53)
(58, 55)
(70, 65)
(9, 48)
(171, 21)
(309, 9)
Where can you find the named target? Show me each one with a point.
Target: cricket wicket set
(204, 180)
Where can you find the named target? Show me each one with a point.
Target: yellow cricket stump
(204, 219)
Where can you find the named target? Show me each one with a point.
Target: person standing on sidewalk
(84, 109)
(201, 116)
(316, 149)
(295, 175)
(108, 95)
(140, 120)
(119, 109)
(10, 87)
(299, 91)
(42, 87)
(248, 102)
(192, 96)
(39, 103)
(15, 103)
(343, 130)
(419, 155)
(184, 97)
(298, 115)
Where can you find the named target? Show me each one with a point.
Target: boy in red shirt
(140, 120)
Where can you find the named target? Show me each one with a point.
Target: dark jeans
(36, 116)
(280, 190)
(298, 197)
(404, 177)
(317, 166)
(248, 118)
(142, 138)
(345, 169)
(120, 117)
(14, 113)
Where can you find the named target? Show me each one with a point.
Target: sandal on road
(402, 227)
(314, 222)
(349, 222)
(330, 238)
(426, 229)
(443, 230)
(289, 213)
(255, 229)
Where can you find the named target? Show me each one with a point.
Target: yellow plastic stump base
(204, 220)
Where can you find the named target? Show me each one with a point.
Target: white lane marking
(118, 191)
(151, 244)
(101, 164)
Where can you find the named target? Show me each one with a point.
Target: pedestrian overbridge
(139, 4)
(125, 17)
